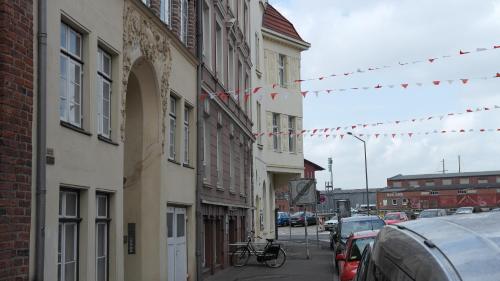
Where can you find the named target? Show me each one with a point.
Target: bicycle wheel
(240, 256)
(279, 261)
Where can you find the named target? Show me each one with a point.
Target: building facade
(414, 193)
(16, 137)
(120, 136)
(278, 150)
(226, 143)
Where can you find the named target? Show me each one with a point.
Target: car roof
(470, 242)
(364, 234)
(360, 218)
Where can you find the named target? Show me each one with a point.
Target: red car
(348, 260)
(396, 217)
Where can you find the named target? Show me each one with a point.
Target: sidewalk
(297, 267)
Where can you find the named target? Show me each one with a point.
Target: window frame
(219, 51)
(292, 142)
(259, 123)
(207, 33)
(282, 70)
(63, 220)
(172, 133)
(231, 164)
(166, 12)
(206, 151)
(184, 21)
(103, 220)
(464, 181)
(103, 77)
(220, 155)
(72, 60)
(394, 202)
(187, 135)
(276, 127)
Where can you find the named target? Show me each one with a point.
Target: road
(298, 234)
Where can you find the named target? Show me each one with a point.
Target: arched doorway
(142, 174)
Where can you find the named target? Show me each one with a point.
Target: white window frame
(173, 127)
(104, 221)
(166, 11)
(397, 184)
(281, 70)
(72, 59)
(292, 142)
(394, 202)
(482, 181)
(68, 220)
(184, 20)
(104, 78)
(430, 183)
(434, 193)
(447, 181)
(276, 129)
(405, 201)
(464, 181)
(187, 112)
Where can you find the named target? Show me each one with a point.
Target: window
(482, 181)
(394, 202)
(414, 184)
(464, 181)
(104, 93)
(447, 182)
(173, 125)
(429, 183)
(187, 112)
(462, 191)
(405, 201)
(219, 156)
(184, 20)
(71, 76)
(240, 79)
(248, 100)
(67, 253)
(434, 192)
(498, 179)
(206, 150)
(146, 2)
(396, 184)
(207, 34)
(102, 236)
(242, 167)
(230, 69)
(291, 134)
(231, 164)
(257, 51)
(281, 70)
(259, 123)
(219, 69)
(276, 137)
(165, 11)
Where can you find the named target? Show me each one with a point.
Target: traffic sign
(303, 191)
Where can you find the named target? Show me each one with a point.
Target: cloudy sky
(347, 35)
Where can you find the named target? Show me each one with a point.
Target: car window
(429, 214)
(355, 226)
(357, 247)
(392, 217)
(363, 265)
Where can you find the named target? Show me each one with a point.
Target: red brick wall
(16, 109)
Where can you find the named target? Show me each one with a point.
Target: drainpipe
(41, 142)
(199, 134)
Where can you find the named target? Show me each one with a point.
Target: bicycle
(272, 255)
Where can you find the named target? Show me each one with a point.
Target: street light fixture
(366, 173)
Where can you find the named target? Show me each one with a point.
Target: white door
(176, 231)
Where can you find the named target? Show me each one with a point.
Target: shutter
(299, 137)
(284, 132)
(269, 119)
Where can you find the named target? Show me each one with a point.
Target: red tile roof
(275, 21)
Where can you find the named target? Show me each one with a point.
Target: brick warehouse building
(446, 191)
(16, 115)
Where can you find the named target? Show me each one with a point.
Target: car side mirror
(340, 257)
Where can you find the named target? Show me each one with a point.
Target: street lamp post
(366, 173)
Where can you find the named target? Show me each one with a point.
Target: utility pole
(459, 164)
(444, 170)
(329, 188)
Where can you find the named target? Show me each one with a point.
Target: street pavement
(298, 234)
(318, 267)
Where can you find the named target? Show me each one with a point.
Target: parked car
(395, 217)
(448, 248)
(349, 259)
(331, 223)
(283, 219)
(467, 210)
(495, 210)
(432, 213)
(297, 219)
(338, 238)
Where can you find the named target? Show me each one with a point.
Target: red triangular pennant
(464, 81)
(405, 85)
(463, 53)
(410, 134)
(378, 86)
(393, 135)
(321, 78)
(246, 97)
(273, 95)
(469, 110)
(203, 96)
(304, 93)
(275, 85)
(353, 126)
(496, 46)
(256, 90)
(299, 81)
(432, 60)
(314, 131)
(376, 135)
(325, 130)
(341, 136)
(436, 82)
(498, 75)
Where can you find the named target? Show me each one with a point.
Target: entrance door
(177, 257)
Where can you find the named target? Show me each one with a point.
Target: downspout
(199, 146)
(41, 142)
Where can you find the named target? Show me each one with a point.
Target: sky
(350, 35)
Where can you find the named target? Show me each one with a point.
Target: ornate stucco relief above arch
(144, 39)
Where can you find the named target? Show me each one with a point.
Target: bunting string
(335, 130)
(260, 91)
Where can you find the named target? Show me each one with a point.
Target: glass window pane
(101, 239)
(105, 107)
(64, 30)
(76, 73)
(59, 272)
(59, 244)
(70, 242)
(70, 272)
(101, 269)
(180, 225)
(71, 204)
(102, 208)
(74, 43)
(170, 224)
